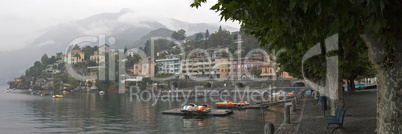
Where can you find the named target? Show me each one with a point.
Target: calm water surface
(22, 112)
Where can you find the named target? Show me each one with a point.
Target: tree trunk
(341, 101)
(388, 65)
(352, 85)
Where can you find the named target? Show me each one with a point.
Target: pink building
(146, 69)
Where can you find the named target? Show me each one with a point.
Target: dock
(245, 107)
(214, 112)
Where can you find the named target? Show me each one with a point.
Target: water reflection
(115, 113)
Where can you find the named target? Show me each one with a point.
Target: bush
(264, 85)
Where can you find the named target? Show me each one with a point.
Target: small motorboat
(231, 104)
(101, 93)
(45, 94)
(189, 108)
(57, 96)
(225, 104)
(203, 109)
(242, 103)
(34, 92)
(8, 90)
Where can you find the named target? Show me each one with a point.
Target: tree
(296, 25)
(256, 72)
(222, 38)
(73, 82)
(179, 35)
(199, 36)
(206, 34)
(88, 51)
(76, 47)
(59, 55)
(56, 83)
(44, 59)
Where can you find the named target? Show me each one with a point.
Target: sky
(22, 21)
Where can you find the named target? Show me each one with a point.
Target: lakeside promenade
(360, 116)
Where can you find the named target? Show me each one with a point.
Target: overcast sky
(21, 21)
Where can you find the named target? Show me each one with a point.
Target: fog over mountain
(129, 31)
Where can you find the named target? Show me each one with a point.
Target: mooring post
(299, 98)
(293, 105)
(269, 128)
(287, 114)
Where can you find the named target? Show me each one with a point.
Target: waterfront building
(16, 80)
(223, 68)
(169, 65)
(268, 71)
(144, 68)
(199, 66)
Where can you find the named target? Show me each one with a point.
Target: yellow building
(75, 56)
(223, 67)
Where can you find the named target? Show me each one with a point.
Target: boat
(231, 104)
(35, 92)
(286, 93)
(8, 90)
(64, 92)
(57, 96)
(45, 94)
(189, 108)
(203, 109)
(101, 93)
(225, 104)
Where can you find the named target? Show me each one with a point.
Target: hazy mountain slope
(57, 38)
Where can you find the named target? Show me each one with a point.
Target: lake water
(22, 112)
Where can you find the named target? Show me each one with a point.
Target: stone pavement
(360, 116)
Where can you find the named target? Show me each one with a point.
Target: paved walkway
(360, 114)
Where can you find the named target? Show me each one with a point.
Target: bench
(337, 119)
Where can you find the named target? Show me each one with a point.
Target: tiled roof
(76, 51)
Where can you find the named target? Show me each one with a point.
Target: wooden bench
(337, 119)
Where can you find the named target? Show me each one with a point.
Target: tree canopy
(296, 25)
(179, 35)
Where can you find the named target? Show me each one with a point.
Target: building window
(266, 70)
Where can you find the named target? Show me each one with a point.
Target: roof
(76, 51)
(105, 45)
(41, 80)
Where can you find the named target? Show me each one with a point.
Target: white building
(171, 65)
(103, 49)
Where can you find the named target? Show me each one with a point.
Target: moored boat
(101, 93)
(57, 96)
(189, 108)
(231, 104)
(45, 94)
(203, 109)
